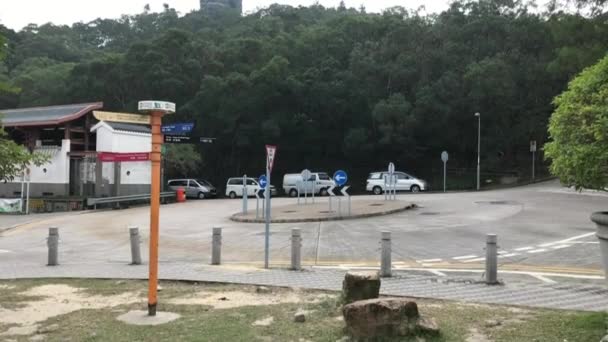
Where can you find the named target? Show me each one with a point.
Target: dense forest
(332, 87)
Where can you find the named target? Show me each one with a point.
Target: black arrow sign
(336, 191)
(260, 193)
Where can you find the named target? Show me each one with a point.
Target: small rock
(360, 286)
(223, 299)
(427, 326)
(604, 339)
(159, 288)
(299, 317)
(492, 323)
(37, 338)
(120, 282)
(263, 290)
(344, 339)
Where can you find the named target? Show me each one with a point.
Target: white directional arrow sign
(330, 191)
(343, 191)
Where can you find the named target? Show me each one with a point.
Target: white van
(234, 187)
(319, 182)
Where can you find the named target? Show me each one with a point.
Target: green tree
(579, 130)
(181, 161)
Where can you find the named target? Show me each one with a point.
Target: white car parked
(234, 187)
(405, 182)
(318, 183)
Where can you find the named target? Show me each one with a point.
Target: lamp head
(156, 106)
(477, 114)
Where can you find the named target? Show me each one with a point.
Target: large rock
(386, 318)
(360, 286)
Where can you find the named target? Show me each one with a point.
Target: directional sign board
(177, 128)
(160, 106)
(444, 156)
(271, 152)
(261, 193)
(177, 139)
(263, 181)
(122, 117)
(340, 177)
(207, 140)
(391, 168)
(533, 146)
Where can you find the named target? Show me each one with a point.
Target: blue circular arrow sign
(340, 177)
(263, 181)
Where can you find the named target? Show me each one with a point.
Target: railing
(130, 198)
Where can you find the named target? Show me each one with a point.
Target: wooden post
(155, 157)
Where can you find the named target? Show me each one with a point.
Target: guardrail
(118, 199)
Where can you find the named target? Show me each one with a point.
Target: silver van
(318, 183)
(195, 188)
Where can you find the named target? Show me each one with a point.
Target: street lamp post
(478, 115)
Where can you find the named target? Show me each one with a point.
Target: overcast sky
(16, 14)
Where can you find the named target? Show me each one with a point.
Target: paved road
(541, 227)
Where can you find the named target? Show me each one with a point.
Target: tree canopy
(579, 130)
(332, 87)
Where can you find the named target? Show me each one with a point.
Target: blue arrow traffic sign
(263, 182)
(177, 128)
(340, 177)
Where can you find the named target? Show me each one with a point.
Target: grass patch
(458, 321)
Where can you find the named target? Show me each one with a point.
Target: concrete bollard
(53, 244)
(491, 260)
(216, 248)
(386, 262)
(135, 249)
(296, 249)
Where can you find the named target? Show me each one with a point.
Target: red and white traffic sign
(271, 152)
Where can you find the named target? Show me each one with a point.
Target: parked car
(405, 182)
(318, 183)
(234, 187)
(195, 188)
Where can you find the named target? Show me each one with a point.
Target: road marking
(439, 273)
(575, 238)
(560, 246)
(509, 255)
(4, 251)
(537, 251)
(543, 278)
(524, 249)
(547, 244)
(465, 257)
(474, 260)
(503, 252)
(587, 242)
(428, 260)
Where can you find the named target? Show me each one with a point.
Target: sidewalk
(552, 296)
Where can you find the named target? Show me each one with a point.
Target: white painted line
(547, 244)
(465, 257)
(524, 249)
(543, 278)
(575, 238)
(475, 260)
(537, 251)
(502, 252)
(4, 251)
(509, 255)
(439, 273)
(428, 260)
(560, 246)
(586, 242)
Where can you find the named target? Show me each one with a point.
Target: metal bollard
(53, 244)
(386, 262)
(135, 250)
(216, 248)
(491, 260)
(296, 249)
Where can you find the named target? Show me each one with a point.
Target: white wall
(57, 169)
(109, 140)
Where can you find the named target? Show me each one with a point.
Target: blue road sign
(340, 177)
(177, 128)
(263, 182)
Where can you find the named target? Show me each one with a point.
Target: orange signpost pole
(156, 109)
(155, 156)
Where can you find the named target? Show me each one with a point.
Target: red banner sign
(107, 157)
